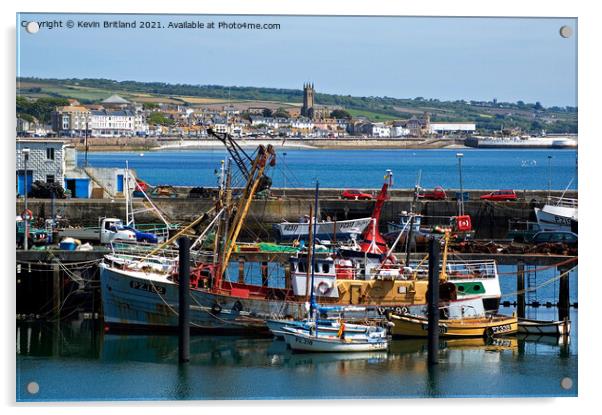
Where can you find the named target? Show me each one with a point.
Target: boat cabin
(324, 276)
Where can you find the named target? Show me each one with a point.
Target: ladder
(531, 271)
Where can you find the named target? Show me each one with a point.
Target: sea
(478, 168)
(77, 360)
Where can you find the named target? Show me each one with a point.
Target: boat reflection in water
(122, 367)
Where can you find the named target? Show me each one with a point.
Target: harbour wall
(489, 219)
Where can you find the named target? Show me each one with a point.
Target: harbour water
(77, 361)
(481, 169)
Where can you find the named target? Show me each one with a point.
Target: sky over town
(509, 59)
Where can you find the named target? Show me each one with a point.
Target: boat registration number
(562, 220)
(291, 228)
(442, 329)
(304, 341)
(137, 285)
(502, 329)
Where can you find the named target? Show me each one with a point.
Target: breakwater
(490, 219)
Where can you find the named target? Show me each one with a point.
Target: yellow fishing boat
(486, 326)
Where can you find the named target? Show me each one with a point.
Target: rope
(567, 261)
(547, 282)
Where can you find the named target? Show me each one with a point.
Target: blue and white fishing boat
(323, 326)
(314, 335)
(341, 230)
(375, 339)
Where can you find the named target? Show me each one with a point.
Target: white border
(589, 160)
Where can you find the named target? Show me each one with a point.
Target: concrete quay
(489, 219)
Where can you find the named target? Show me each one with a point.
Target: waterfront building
(377, 130)
(123, 123)
(55, 161)
(447, 128)
(46, 161)
(70, 120)
(398, 129)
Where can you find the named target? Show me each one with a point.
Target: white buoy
(141, 154)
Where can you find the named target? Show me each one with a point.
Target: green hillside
(489, 116)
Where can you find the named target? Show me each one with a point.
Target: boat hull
(414, 326)
(324, 230)
(556, 218)
(136, 298)
(544, 328)
(306, 343)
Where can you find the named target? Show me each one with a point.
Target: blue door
(21, 181)
(120, 183)
(81, 188)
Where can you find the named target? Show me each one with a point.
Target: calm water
(77, 361)
(481, 169)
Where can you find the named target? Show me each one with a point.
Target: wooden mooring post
(564, 293)
(57, 288)
(184, 300)
(433, 302)
(520, 289)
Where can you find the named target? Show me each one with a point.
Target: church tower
(307, 110)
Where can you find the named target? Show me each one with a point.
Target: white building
(45, 161)
(302, 123)
(124, 123)
(399, 130)
(457, 127)
(379, 130)
(55, 161)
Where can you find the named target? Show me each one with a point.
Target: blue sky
(404, 57)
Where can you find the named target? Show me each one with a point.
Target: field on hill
(488, 116)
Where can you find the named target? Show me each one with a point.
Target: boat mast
(312, 304)
(127, 194)
(265, 156)
(310, 241)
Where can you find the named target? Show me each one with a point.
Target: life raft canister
(344, 269)
(463, 223)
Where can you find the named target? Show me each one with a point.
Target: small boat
(301, 340)
(544, 328)
(486, 326)
(325, 326)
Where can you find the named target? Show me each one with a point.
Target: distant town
(56, 115)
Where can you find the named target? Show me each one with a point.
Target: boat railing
(141, 251)
(463, 269)
(563, 201)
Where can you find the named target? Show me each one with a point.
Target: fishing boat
(459, 318)
(143, 291)
(544, 328)
(301, 340)
(417, 326)
(558, 214)
(424, 227)
(339, 230)
(323, 326)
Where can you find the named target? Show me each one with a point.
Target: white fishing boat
(324, 326)
(341, 230)
(559, 214)
(301, 340)
(544, 328)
